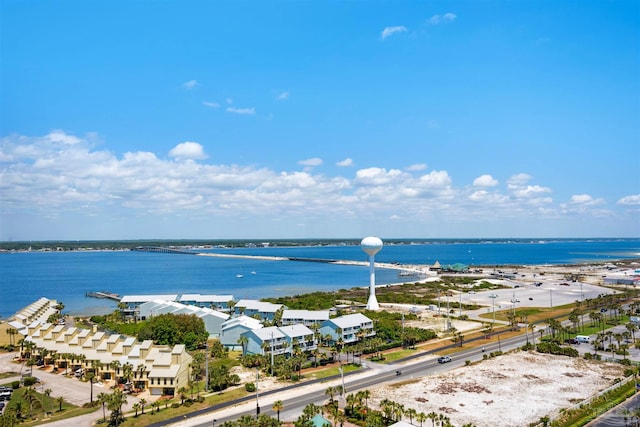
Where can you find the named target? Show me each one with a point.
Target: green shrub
(28, 381)
(250, 387)
(15, 385)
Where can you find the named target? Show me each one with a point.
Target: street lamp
(257, 404)
(493, 306)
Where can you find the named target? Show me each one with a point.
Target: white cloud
(61, 136)
(191, 84)
(388, 31)
(63, 175)
(345, 162)
(210, 104)
(519, 179)
(314, 161)
(528, 191)
(436, 179)
(485, 181)
(282, 96)
(417, 167)
(446, 18)
(242, 111)
(585, 200)
(188, 150)
(376, 176)
(630, 200)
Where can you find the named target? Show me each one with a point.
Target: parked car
(572, 341)
(444, 359)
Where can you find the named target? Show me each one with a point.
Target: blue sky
(264, 119)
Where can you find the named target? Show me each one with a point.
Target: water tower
(372, 245)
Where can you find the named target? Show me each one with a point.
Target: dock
(104, 295)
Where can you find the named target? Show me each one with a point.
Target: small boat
(239, 276)
(253, 272)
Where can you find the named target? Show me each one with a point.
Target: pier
(104, 295)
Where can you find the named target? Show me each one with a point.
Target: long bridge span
(164, 250)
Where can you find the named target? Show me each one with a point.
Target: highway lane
(304, 394)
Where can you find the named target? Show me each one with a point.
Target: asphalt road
(294, 403)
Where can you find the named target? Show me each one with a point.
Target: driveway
(73, 390)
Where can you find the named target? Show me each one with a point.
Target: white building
(134, 301)
(216, 302)
(234, 327)
(251, 308)
(213, 319)
(348, 328)
(305, 317)
(280, 340)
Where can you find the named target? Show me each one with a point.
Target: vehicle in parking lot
(572, 341)
(444, 359)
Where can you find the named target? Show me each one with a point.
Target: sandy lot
(511, 390)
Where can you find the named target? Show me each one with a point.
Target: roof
(266, 334)
(246, 321)
(146, 298)
(350, 320)
(320, 421)
(178, 308)
(306, 314)
(205, 298)
(293, 331)
(265, 307)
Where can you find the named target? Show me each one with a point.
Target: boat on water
(239, 276)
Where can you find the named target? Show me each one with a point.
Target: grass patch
(329, 372)
(397, 355)
(586, 413)
(168, 413)
(4, 375)
(43, 407)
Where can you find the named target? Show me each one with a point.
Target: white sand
(510, 390)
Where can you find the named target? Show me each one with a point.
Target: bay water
(68, 276)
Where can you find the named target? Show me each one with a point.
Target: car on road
(444, 359)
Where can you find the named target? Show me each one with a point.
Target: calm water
(67, 276)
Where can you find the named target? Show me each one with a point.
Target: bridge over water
(164, 250)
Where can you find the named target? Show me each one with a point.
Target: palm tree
(103, 399)
(18, 408)
(115, 365)
(182, 391)
(156, 405)
(127, 372)
(90, 377)
(60, 401)
(116, 401)
(243, 341)
(47, 393)
(30, 396)
(330, 391)
(136, 407)
(410, 412)
(143, 402)
(277, 406)
(421, 417)
(632, 328)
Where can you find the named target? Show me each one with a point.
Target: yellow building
(139, 365)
